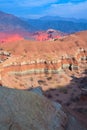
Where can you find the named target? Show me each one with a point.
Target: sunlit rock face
(50, 34)
(26, 57)
(41, 65)
(8, 37)
(24, 110)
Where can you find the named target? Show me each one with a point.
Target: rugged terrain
(11, 25)
(23, 56)
(58, 66)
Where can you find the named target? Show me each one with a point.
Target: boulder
(26, 110)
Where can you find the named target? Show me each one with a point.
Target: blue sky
(38, 8)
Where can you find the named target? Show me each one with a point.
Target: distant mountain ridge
(12, 24)
(66, 25)
(63, 18)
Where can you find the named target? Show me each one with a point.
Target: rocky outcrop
(24, 110)
(8, 37)
(47, 35)
(32, 57)
(4, 55)
(81, 54)
(45, 66)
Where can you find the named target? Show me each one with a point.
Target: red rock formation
(42, 36)
(48, 35)
(43, 57)
(5, 38)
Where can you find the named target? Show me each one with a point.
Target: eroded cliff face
(30, 57)
(50, 34)
(39, 66)
(19, 65)
(56, 66)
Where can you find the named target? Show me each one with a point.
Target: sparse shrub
(21, 84)
(41, 82)
(49, 96)
(1, 49)
(31, 79)
(25, 50)
(49, 78)
(52, 89)
(58, 86)
(61, 39)
(58, 101)
(77, 43)
(63, 90)
(68, 104)
(75, 99)
(0, 84)
(16, 77)
(57, 94)
(82, 110)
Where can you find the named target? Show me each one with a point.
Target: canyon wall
(44, 66)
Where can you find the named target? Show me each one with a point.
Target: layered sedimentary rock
(26, 57)
(44, 66)
(4, 55)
